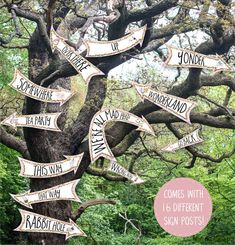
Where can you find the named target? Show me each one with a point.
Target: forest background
(108, 224)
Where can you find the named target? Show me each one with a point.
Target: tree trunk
(45, 146)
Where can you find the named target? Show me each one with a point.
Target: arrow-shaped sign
(118, 169)
(40, 121)
(177, 106)
(97, 142)
(82, 66)
(32, 222)
(23, 85)
(47, 170)
(187, 58)
(60, 192)
(108, 48)
(190, 139)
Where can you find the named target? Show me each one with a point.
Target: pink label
(183, 207)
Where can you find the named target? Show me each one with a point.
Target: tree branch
(91, 20)
(218, 80)
(15, 33)
(40, 24)
(197, 154)
(93, 103)
(15, 46)
(184, 90)
(104, 174)
(13, 143)
(151, 11)
(90, 203)
(49, 14)
(226, 110)
(202, 118)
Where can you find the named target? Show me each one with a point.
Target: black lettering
(98, 146)
(183, 108)
(54, 194)
(193, 139)
(52, 169)
(97, 133)
(85, 67)
(42, 196)
(186, 58)
(114, 46)
(28, 225)
(100, 122)
(57, 226)
(40, 170)
(111, 114)
(180, 55)
(190, 58)
(118, 169)
(124, 116)
(29, 120)
(20, 87)
(202, 61)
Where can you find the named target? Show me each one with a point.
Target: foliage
(103, 223)
(11, 58)
(10, 182)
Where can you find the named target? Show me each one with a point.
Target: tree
(46, 68)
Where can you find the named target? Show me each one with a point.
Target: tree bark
(44, 147)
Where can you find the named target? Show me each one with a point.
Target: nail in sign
(82, 66)
(108, 48)
(186, 58)
(97, 141)
(32, 222)
(40, 121)
(23, 85)
(188, 140)
(177, 106)
(118, 169)
(64, 191)
(47, 170)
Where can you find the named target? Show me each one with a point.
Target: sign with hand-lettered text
(108, 48)
(23, 85)
(188, 140)
(86, 69)
(39, 121)
(178, 57)
(64, 191)
(118, 169)
(177, 106)
(47, 170)
(97, 142)
(32, 222)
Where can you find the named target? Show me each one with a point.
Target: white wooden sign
(97, 142)
(108, 48)
(86, 69)
(177, 106)
(47, 121)
(188, 140)
(47, 170)
(24, 86)
(32, 222)
(64, 191)
(118, 169)
(178, 57)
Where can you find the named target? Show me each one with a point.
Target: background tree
(111, 20)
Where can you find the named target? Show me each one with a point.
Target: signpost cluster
(98, 146)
